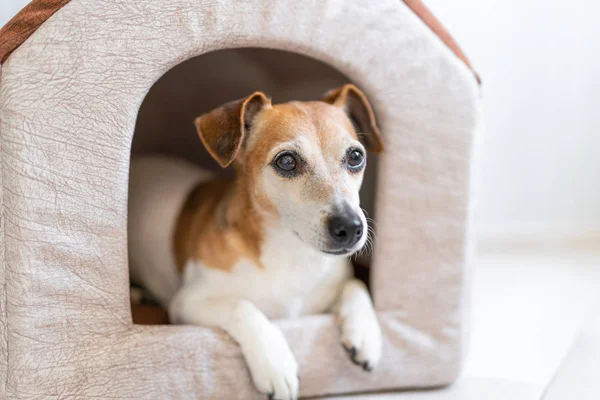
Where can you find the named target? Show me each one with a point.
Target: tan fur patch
(223, 130)
(217, 227)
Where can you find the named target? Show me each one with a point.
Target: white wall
(9, 8)
(540, 64)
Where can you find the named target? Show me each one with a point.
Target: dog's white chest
(293, 281)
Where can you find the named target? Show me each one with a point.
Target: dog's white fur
(295, 279)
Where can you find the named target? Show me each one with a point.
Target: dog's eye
(355, 159)
(286, 164)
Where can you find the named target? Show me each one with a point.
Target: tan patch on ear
(223, 129)
(354, 102)
(218, 227)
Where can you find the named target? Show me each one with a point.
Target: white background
(540, 64)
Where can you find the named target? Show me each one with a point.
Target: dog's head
(303, 161)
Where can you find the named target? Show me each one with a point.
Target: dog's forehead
(315, 120)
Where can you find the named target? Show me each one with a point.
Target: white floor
(529, 308)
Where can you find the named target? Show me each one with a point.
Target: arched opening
(165, 120)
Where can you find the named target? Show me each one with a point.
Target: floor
(535, 329)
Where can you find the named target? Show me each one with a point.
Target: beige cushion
(69, 100)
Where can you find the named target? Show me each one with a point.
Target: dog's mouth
(332, 252)
(341, 252)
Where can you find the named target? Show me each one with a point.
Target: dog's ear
(223, 129)
(354, 102)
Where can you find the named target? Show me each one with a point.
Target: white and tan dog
(272, 243)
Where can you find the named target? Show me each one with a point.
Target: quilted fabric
(69, 98)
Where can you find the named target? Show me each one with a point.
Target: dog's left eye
(355, 159)
(286, 164)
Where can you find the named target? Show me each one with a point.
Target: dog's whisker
(372, 235)
(370, 221)
(361, 252)
(370, 247)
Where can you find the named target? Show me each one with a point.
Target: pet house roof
(26, 22)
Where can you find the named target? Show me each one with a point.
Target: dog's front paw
(272, 365)
(359, 328)
(361, 337)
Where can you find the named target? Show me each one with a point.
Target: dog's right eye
(286, 164)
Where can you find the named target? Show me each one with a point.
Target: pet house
(74, 75)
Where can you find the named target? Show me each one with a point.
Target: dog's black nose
(345, 230)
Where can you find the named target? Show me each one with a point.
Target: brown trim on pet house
(18, 29)
(435, 25)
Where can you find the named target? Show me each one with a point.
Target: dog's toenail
(353, 352)
(367, 367)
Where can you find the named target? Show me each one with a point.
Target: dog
(273, 242)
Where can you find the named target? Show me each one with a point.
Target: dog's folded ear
(224, 129)
(357, 107)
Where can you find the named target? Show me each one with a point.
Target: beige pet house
(74, 74)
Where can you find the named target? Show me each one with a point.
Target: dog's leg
(272, 365)
(359, 328)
